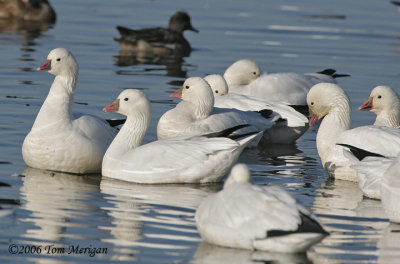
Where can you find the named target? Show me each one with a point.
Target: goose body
(330, 102)
(59, 139)
(196, 114)
(286, 131)
(247, 216)
(193, 159)
(30, 10)
(391, 191)
(245, 77)
(385, 103)
(159, 41)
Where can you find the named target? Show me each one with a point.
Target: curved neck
(203, 107)
(130, 136)
(334, 123)
(57, 106)
(388, 118)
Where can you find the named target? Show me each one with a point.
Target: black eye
(58, 59)
(126, 99)
(216, 91)
(379, 96)
(187, 86)
(254, 73)
(312, 103)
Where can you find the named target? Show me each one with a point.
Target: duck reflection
(155, 216)
(207, 254)
(54, 201)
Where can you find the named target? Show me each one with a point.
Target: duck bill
(193, 29)
(113, 107)
(46, 66)
(313, 118)
(367, 105)
(177, 94)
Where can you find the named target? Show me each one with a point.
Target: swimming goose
(287, 131)
(159, 41)
(196, 114)
(247, 216)
(32, 10)
(385, 103)
(193, 159)
(244, 77)
(59, 139)
(330, 102)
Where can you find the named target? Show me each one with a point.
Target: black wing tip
(303, 109)
(333, 74)
(266, 113)
(307, 225)
(360, 154)
(115, 122)
(228, 132)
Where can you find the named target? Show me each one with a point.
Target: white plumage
(192, 159)
(244, 77)
(196, 114)
(286, 131)
(255, 217)
(59, 139)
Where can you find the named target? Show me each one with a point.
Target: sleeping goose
(31, 10)
(196, 114)
(159, 41)
(385, 103)
(286, 131)
(59, 139)
(193, 159)
(244, 77)
(247, 216)
(330, 102)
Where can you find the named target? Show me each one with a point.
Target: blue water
(155, 224)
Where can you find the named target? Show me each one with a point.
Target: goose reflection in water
(152, 216)
(210, 254)
(56, 202)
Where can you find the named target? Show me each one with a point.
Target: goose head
(194, 89)
(60, 62)
(180, 22)
(240, 173)
(242, 72)
(325, 98)
(382, 98)
(218, 84)
(130, 102)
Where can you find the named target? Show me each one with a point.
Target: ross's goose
(244, 77)
(287, 131)
(30, 10)
(196, 114)
(59, 139)
(193, 159)
(391, 191)
(385, 103)
(159, 41)
(330, 102)
(253, 217)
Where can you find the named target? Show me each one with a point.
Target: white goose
(253, 217)
(329, 101)
(385, 103)
(60, 140)
(196, 114)
(244, 77)
(286, 131)
(193, 159)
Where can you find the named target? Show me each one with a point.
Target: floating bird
(31, 10)
(247, 216)
(59, 139)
